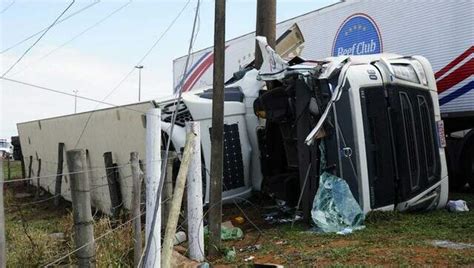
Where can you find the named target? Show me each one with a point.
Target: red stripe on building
(453, 63)
(456, 76)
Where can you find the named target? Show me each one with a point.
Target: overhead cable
(44, 29)
(8, 6)
(43, 34)
(133, 68)
(97, 23)
(173, 120)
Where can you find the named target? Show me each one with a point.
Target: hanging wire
(57, 23)
(37, 40)
(173, 121)
(97, 23)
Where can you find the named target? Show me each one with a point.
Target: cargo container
(441, 31)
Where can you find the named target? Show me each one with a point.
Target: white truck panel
(441, 31)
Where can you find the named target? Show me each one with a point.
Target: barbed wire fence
(17, 208)
(66, 258)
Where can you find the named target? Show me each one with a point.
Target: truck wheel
(467, 162)
(457, 180)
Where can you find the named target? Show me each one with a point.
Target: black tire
(467, 161)
(453, 153)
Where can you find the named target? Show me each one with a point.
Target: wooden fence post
(81, 207)
(59, 174)
(114, 186)
(23, 168)
(38, 185)
(167, 192)
(170, 230)
(8, 169)
(136, 200)
(195, 214)
(30, 170)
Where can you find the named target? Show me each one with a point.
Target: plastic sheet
(457, 206)
(334, 207)
(228, 233)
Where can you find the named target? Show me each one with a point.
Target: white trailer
(441, 31)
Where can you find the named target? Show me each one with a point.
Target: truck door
(415, 145)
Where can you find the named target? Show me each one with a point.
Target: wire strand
(37, 40)
(97, 23)
(8, 7)
(44, 29)
(133, 68)
(173, 121)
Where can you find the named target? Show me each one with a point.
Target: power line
(28, 50)
(68, 94)
(7, 7)
(133, 68)
(44, 29)
(173, 120)
(97, 23)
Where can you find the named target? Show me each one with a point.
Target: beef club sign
(357, 35)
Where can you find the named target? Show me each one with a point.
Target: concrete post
(195, 214)
(153, 174)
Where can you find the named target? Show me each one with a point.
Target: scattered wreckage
(373, 119)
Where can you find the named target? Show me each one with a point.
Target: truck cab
(6, 149)
(376, 117)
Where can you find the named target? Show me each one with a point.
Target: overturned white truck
(377, 115)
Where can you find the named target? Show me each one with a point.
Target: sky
(93, 51)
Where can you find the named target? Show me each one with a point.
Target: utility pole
(139, 67)
(75, 100)
(217, 132)
(265, 26)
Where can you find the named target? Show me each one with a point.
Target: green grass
(15, 169)
(29, 243)
(390, 238)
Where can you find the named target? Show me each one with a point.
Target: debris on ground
(228, 233)
(457, 206)
(250, 258)
(349, 230)
(281, 242)
(230, 254)
(227, 224)
(251, 248)
(267, 265)
(238, 220)
(282, 213)
(57, 236)
(451, 244)
(179, 238)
